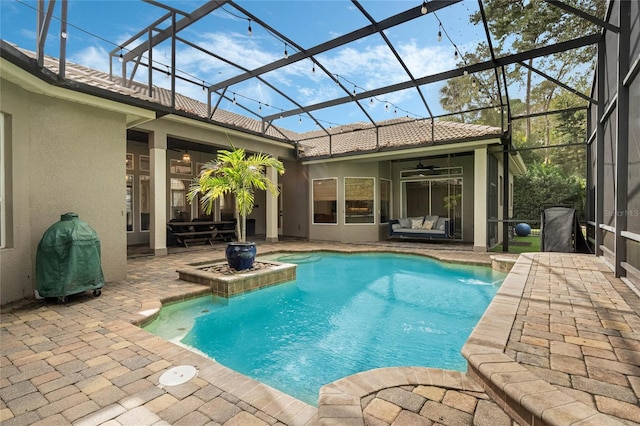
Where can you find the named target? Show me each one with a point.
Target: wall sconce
(186, 157)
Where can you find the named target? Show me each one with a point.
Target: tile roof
(348, 139)
(395, 133)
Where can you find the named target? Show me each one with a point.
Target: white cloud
(94, 57)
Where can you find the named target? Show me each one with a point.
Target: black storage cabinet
(68, 259)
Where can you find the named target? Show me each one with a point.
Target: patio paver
(565, 328)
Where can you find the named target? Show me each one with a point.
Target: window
(325, 200)
(179, 167)
(144, 163)
(358, 200)
(385, 200)
(129, 162)
(145, 202)
(179, 190)
(129, 203)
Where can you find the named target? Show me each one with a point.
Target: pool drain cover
(178, 375)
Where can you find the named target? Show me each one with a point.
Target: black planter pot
(240, 256)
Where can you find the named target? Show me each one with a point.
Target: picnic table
(202, 231)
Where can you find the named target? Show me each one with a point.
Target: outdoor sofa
(420, 227)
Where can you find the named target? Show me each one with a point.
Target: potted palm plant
(233, 172)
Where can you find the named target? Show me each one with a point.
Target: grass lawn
(521, 245)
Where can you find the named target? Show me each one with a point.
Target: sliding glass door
(434, 196)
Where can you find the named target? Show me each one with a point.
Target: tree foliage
(517, 26)
(546, 185)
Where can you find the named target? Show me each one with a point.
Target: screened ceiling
(316, 65)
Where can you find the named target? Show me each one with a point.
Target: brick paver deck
(87, 363)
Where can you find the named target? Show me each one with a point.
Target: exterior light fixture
(186, 157)
(424, 9)
(249, 30)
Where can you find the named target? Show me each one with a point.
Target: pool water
(345, 313)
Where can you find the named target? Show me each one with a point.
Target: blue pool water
(345, 313)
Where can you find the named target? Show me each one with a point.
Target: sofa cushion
(416, 223)
(395, 226)
(431, 218)
(440, 224)
(405, 222)
(428, 224)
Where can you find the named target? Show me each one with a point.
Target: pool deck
(559, 345)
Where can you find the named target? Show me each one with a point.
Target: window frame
(371, 213)
(313, 201)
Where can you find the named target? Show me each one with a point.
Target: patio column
(158, 163)
(480, 162)
(272, 208)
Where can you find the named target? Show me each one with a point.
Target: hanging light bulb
(386, 107)
(249, 30)
(259, 106)
(473, 82)
(424, 9)
(121, 57)
(286, 54)
(234, 99)
(63, 34)
(465, 72)
(299, 119)
(354, 91)
(313, 68)
(371, 101)
(440, 32)
(455, 55)
(204, 88)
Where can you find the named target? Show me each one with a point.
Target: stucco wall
(343, 232)
(65, 157)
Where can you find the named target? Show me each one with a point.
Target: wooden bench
(202, 231)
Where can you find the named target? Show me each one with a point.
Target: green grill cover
(68, 258)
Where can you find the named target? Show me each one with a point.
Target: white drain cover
(178, 375)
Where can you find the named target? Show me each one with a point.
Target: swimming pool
(345, 313)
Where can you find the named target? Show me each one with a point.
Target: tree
(545, 185)
(232, 172)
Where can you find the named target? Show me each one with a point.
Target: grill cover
(68, 258)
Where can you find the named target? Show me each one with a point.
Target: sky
(97, 27)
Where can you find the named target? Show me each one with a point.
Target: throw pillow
(416, 223)
(427, 224)
(405, 222)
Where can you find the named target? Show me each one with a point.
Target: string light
(371, 101)
(63, 34)
(234, 99)
(121, 57)
(424, 9)
(440, 32)
(286, 54)
(465, 72)
(455, 55)
(204, 89)
(249, 30)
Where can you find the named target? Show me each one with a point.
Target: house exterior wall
(295, 200)
(343, 232)
(66, 157)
